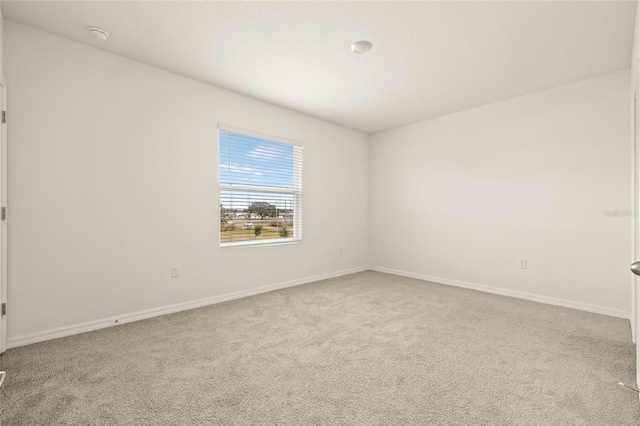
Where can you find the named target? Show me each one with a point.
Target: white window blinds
(260, 189)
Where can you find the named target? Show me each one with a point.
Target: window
(260, 188)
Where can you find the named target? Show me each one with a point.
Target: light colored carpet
(364, 349)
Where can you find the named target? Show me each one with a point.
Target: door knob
(635, 268)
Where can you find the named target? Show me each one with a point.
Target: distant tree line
(258, 208)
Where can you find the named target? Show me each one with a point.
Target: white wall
(460, 198)
(113, 179)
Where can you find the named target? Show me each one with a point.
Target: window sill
(262, 243)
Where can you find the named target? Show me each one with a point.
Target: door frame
(635, 203)
(3, 222)
(635, 224)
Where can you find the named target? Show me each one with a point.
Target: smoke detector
(361, 47)
(98, 33)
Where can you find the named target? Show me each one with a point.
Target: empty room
(319, 212)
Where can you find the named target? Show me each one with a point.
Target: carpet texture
(364, 349)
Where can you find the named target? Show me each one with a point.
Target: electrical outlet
(522, 263)
(175, 271)
(339, 250)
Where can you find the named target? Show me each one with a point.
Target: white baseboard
(54, 333)
(603, 310)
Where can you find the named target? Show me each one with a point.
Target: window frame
(296, 191)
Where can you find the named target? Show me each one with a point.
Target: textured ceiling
(428, 58)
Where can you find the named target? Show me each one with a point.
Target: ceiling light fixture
(98, 33)
(361, 47)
